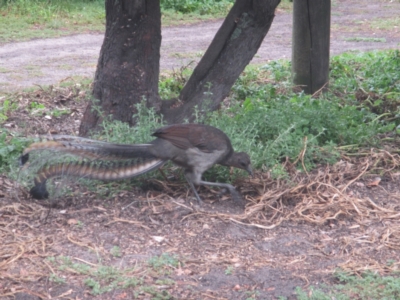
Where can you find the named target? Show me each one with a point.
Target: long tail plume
(87, 148)
(101, 170)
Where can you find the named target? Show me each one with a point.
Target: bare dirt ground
(44, 62)
(163, 247)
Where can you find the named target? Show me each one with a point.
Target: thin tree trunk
(311, 37)
(231, 50)
(128, 67)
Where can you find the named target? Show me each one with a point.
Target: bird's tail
(87, 148)
(96, 160)
(102, 170)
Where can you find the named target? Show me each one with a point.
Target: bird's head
(241, 160)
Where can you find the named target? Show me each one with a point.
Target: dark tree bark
(311, 38)
(128, 67)
(129, 62)
(231, 50)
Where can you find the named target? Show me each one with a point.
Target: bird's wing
(185, 136)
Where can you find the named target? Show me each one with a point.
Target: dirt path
(51, 60)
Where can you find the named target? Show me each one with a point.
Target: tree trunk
(231, 50)
(129, 63)
(311, 37)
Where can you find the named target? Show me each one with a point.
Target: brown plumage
(194, 147)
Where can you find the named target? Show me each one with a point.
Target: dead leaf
(375, 182)
(72, 222)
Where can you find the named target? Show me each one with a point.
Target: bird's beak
(250, 171)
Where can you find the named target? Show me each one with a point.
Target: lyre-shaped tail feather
(87, 148)
(93, 170)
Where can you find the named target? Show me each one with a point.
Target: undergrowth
(273, 122)
(201, 7)
(367, 286)
(269, 119)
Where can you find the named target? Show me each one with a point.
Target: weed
(229, 270)
(11, 147)
(56, 279)
(36, 108)
(163, 262)
(165, 281)
(170, 86)
(252, 295)
(118, 132)
(115, 251)
(367, 286)
(156, 295)
(59, 112)
(100, 278)
(202, 7)
(6, 107)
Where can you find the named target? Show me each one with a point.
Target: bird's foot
(237, 198)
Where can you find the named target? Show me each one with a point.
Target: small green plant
(59, 112)
(5, 108)
(170, 86)
(165, 281)
(253, 295)
(163, 262)
(155, 293)
(11, 148)
(115, 251)
(118, 132)
(36, 108)
(56, 279)
(229, 270)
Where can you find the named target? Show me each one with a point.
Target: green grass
(201, 7)
(27, 19)
(368, 286)
(366, 39)
(386, 24)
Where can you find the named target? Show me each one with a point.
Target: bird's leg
(199, 201)
(234, 193)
